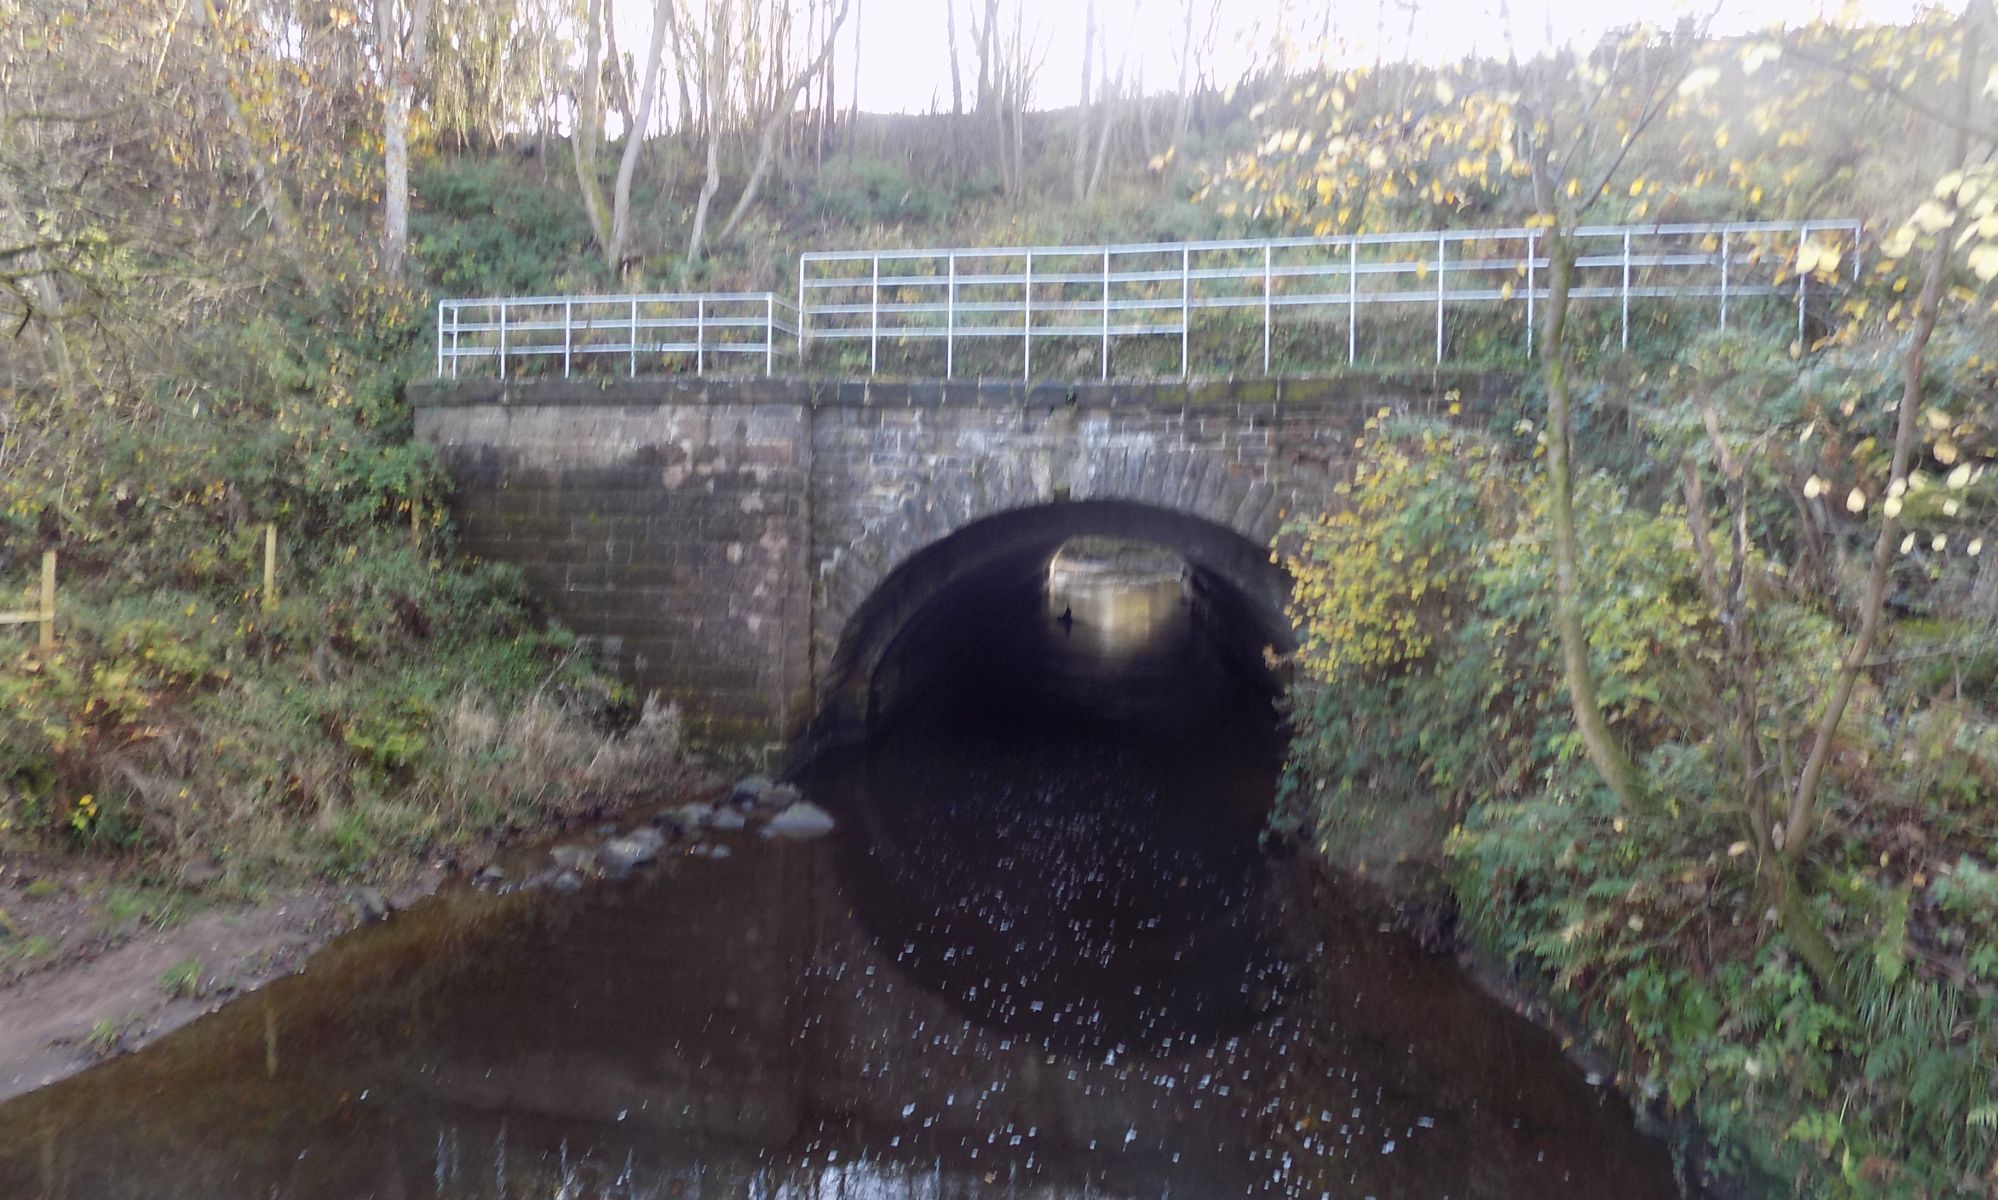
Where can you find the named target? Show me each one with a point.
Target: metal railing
(1099, 296)
(663, 331)
(1029, 295)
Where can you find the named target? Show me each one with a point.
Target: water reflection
(1043, 956)
(1118, 603)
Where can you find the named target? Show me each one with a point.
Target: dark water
(1045, 955)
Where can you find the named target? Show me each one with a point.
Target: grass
(104, 1038)
(183, 980)
(126, 905)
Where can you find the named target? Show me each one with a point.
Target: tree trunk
(589, 125)
(617, 254)
(402, 65)
(1110, 101)
(781, 113)
(1796, 828)
(685, 115)
(956, 77)
(1184, 105)
(1081, 179)
(853, 103)
(1604, 751)
(270, 194)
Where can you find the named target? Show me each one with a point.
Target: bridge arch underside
(1000, 562)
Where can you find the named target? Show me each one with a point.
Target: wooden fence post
(270, 566)
(48, 601)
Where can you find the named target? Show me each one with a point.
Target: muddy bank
(101, 967)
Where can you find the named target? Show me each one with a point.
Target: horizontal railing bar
(641, 297)
(1429, 237)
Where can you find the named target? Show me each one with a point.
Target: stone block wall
(715, 539)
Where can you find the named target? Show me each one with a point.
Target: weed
(105, 1038)
(183, 980)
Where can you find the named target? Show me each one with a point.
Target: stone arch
(1196, 483)
(1231, 568)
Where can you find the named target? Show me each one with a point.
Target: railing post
(874, 320)
(1532, 252)
(769, 330)
(803, 319)
(1266, 308)
(440, 339)
(457, 337)
(700, 335)
(568, 319)
(950, 319)
(502, 352)
(1442, 261)
(1027, 321)
(632, 342)
(48, 601)
(1185, 308)
(1723, 290)
(1352, 301)
(1626, 289)
(1106, 314)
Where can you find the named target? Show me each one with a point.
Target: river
(1046, 954)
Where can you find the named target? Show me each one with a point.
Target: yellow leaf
(1855, 500)
(1984, 262)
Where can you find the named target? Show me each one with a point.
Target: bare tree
(956, 77)
(1082, 105)
(617, 253)
(588, 133)
(779, 115)
(402, 40)
(1108, 103)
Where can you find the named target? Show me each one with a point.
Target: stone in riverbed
(568, 883)
(571, 858)
(369, 904)
(624, 853)
(727, 820)
(749, 791)
(688, 816)
(648, 835)
(801, 820)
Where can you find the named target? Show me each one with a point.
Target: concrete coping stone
(1312, 390)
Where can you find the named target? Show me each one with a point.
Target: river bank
(99, 959)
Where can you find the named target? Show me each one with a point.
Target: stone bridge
(751, 549)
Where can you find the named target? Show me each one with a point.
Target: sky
(905, 65)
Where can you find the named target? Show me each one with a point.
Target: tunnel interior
(971, 620)
(1053, 819)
